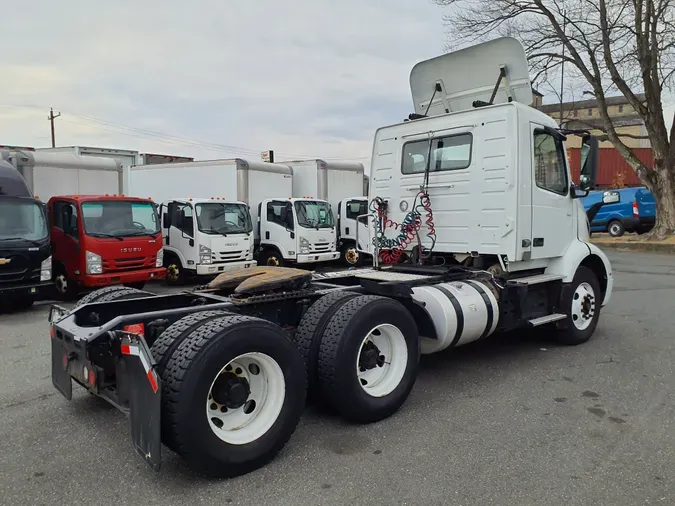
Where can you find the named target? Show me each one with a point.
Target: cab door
(65, 237)
(181, 233)
(552, 204)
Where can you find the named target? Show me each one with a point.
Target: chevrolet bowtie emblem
(5, 261)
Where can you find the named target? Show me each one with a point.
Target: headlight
(304, 246)
(46, 269)
(94, 263)
(204, 254)
(160, 258)
(249, 254)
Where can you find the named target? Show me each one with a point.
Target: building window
(590, 112)
(620, 108)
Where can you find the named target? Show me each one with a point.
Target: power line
(210, 146)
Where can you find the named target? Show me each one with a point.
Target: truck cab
(348, 220)
(104, 240)
(476, 177)
(25, 257)
(295, 230)
(205, 237)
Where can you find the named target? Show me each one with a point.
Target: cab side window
(277, 212)
(182, 219)
(65, 218)
(550, 171)
(355, 208)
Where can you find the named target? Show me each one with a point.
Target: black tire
(350, 256)
(65, 287)
(568, 333)
(162, 349)
(615, 228)
(168, 341)
(93, 296)
(105, 294)
(175, 273)
(339, 352)
(138, 286)
(194, 365)
(271, 258)
(128, 293)
(311, 329)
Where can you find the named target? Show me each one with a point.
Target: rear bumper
(205, 270)
(30, 289)
(318, 257)
(137, 391)
(118, 278)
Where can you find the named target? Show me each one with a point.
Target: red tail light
(636, 211)
(137, 328)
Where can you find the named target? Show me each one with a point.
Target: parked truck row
(112, 221)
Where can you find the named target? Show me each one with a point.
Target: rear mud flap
(60, 365)
(144, 394)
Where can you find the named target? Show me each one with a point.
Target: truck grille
(228, 256)
(18, 270)
(129, 264)
(320, 247)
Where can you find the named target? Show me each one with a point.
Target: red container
(613, 170)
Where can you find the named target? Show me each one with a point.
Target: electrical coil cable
(392, 249)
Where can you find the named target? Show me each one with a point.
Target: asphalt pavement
(513, 421)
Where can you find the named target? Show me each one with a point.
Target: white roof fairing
(471, 74)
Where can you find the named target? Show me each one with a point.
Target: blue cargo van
(635, 212)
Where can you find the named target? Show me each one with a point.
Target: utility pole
(51, 119)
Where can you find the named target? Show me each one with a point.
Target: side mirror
(589, 162)
(166, 222)
(611, 197)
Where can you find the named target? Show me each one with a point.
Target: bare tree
(625, 46)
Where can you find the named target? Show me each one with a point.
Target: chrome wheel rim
(583, 306)
(382, 360)
(245, 398)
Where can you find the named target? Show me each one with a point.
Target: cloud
(303, 78)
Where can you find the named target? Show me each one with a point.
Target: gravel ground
(514, 421)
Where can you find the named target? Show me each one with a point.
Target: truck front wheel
(350, 255)
(234, 391)
(581, 302)
(271, 258)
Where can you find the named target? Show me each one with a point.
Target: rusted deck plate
(261, 279)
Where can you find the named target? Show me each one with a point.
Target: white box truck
(49, 174)
(275, 237)
(125, 157)
(342, 185)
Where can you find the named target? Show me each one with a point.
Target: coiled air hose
(392, 248)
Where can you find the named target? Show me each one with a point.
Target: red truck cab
(104, 240)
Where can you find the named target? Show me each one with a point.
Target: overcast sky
(215, 79)
(305, 78)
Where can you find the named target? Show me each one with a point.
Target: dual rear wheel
(234, 387)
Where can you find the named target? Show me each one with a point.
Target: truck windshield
(119, 218)
(22, 220)
(221, 218)
(313, 214)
